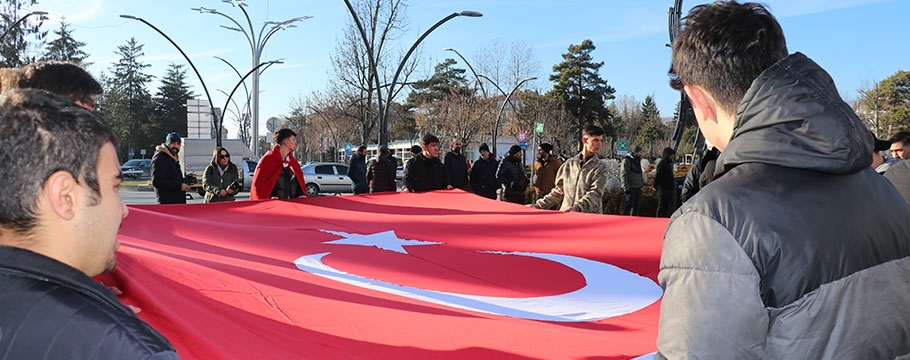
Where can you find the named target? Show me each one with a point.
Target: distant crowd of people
(789, 244)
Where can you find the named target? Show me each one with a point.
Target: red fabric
(219, 280)
(267, 173)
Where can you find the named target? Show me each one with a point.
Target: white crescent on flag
(609, 290)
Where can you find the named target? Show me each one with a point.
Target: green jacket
(578, 186)
(630, 174)
(213, 182)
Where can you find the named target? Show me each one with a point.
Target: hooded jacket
(167, 177)
(579, 186)
(381, 174)
(787, 254)
(50, 310)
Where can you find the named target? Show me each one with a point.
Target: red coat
(267, 173)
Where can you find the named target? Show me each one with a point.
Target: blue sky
(857, 41)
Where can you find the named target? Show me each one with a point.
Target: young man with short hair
(581, 180)
(483, 174)
(278, 175)
(57, 231)
(357, 171)
(425, 172)
(786, 254)
(511, 174)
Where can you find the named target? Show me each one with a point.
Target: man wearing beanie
(545, 169)
(581, 180)
(483, 174)
(512, 175)
(167, 178)
(665, 185)
(632, 180)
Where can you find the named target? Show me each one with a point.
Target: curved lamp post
(16, 24)
(503, 107)
(384, 113)
(243, 78)
(257, 43)
(217, 119)
(384, 107)
(335, 139)
(477, 77)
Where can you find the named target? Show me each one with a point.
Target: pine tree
(580, 87)
(170, 104)
(654, 129)
(19, 40)
(127, 104)
(65, 47)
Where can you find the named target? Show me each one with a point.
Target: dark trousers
(515, 197)
(632, 202)
(666, 202)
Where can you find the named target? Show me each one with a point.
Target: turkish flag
(440, 275)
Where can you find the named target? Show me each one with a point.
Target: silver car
(247, 169)
(326, 177)
(136, 168)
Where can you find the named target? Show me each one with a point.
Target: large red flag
(442, 275)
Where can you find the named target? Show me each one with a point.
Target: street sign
(523, 145)
(622, 145)
(321, 148)
(538, 127)
(347, 149)
(142, 152)
(522, 137)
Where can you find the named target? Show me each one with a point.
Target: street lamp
(257, 43)
(503, 107)
(477, 77)
(384, 113)
(243, 78)
(383, 108)
(215, 118)
(334, 139)
(15, 24)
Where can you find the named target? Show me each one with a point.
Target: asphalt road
(137, 197)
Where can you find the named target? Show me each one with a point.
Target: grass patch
(134, 182)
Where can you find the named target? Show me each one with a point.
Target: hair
(62, 78)
(384, 151)
(902, 136)
(216, 152)
(40, 134)
(282, 134)
(668, 152)
(362, 148)
(415, 149)
(428, 139)
(593, 130)
(723, 47)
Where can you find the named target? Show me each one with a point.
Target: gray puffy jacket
(798, 250)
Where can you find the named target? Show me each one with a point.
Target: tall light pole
(372, 57)
(384, 114)
(16, 24)
(477, 77)
(257, 43)
(502, 108)
(215, 118)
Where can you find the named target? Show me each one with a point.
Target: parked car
(247, 169)
(326, 177)
(136, 168)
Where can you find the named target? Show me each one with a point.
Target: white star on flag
(386, 240)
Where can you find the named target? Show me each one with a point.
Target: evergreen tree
(579, 86)
(65, 47)
(446, 80)
(127, 104)
(654, 129)
(895, 90)
(170, 104)
(24, 37)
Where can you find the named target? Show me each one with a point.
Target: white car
(326, 177)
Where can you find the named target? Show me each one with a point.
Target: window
(342, 169)
(324, 170)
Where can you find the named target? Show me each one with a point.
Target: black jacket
(483, 177)
(663, 177)
(167, 177)
(49, 310)
(381, 175)
(357, 171)
(512, 175)
(457, 169)
(422, 174)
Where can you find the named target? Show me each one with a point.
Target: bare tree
(383, 23)
(870, 106)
